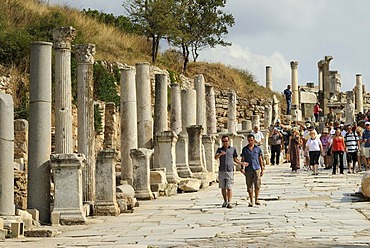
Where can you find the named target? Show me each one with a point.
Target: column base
(70, 216)
(204, 177)
(196, 167)
(106, 209)
(183, 170)
(144, 195)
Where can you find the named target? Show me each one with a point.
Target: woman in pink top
(338, 150)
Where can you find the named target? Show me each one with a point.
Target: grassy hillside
(23, 21)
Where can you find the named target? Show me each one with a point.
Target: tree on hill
(201, 24)
(155, 19)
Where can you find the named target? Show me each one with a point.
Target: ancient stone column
(246, 125)
(199, 86)
(160, 106)
(141, 165)
(255, 121)
(128, 122)
(294, 82)
(196, 162)
(63, 90)
(106, 202)
(326, 84)
(265, 147)
(6, 155)
(209, 148)
(268, 116)
(67, 170)
(321, 76)
(231, 116)
(86, 135)
(269, 77)
(110, 126)
(144, 106)
(211, 110)
(182, 156)
(175, 117)
(188, 108)
(166, 153)
(359, 96)
(39, 147)
(275, 108)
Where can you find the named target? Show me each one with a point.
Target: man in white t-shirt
(258, 136)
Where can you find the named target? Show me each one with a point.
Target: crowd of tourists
(338, 147)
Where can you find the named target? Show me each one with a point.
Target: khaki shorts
(226, 179)
(367, 152)
(362, 150)
(253, 178)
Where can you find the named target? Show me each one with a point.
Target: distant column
(85, 96)
(256, 121)
(231, 120)
(246, 125)
(6, 155)
(199, 86)
(269, 77)
(188, 108)
(211, 110)
(63, 86)
(144, 106)
(128, 122)
(268, 116)
(294, 82)
(141, 163)
(176, 108)
(39, 135)
(359, 98)
(160, 105)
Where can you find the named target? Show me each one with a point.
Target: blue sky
(275, 32)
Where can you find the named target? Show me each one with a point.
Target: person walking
(314, 147)
(338, 151)
(295, 143)
(316, 111)
(352, 143)
(326, 141)
(275, 141)
(366, 141)
(227, 156)
(288, 99)
(252, 169)
(258, 136)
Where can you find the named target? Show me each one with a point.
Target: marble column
(199, 86)
(106, 202)
(195, 134)
(359, 96)
(175, 118)
(188, 108)
(6, 155)
(182, 157)
(160, 105)
(39, 135)
(246, 125)
(255, 121)
(211, 110)
(209, 148)
(67, 170)
(275, 108)
(166, 153)
(294, 83)
(62, 38)
(268, 116)
(85, 97)
(144, 106)
(231, 116)
(141, 165)
(128, 122)
(265, 147)
(269, 77)
(326, 84)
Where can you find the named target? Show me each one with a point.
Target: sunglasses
(224, 141)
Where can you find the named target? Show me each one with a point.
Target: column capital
(328, 58)
(63, 37)
(294, 64)
(84, 53)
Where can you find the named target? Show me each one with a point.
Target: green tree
(156, 19)
(202, 24)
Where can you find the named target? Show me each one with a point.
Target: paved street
(298, 210)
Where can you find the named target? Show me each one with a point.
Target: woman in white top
(314, 146)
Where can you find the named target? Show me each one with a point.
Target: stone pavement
(298, 210)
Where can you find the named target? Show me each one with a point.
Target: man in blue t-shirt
(253, 169)
(288, 98)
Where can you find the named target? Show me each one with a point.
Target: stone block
(171, 189)
(3, 234)
(126, 202)
(189, 185)
(17, 229)
(39, 233)
(1, 223)
(55, 219)
(26, 218)
(35, 214)
(365, 185)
